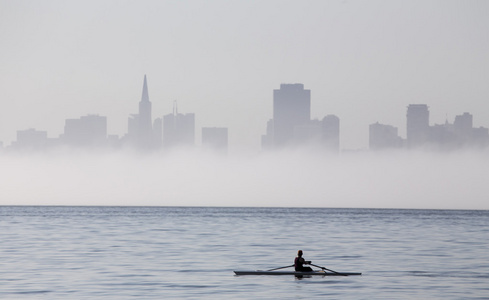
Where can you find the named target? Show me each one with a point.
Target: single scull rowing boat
(320, 273)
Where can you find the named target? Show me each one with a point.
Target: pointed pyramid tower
(145, 131)
(145, 96)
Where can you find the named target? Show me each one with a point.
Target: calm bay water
(190, 253)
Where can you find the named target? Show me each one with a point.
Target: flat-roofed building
(418, 127)
(383, 137)
(86, 131)
(178, 130)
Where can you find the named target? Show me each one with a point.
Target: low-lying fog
(287, 179)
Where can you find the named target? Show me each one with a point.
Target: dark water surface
(190, 253)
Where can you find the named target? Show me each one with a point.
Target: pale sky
(363, 61)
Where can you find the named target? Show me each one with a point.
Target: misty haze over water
(271, 97)
(157, 163)
(150, 148)
(411, 179)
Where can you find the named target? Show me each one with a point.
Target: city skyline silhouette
(362, 62)
(135, 132)
(290, 126)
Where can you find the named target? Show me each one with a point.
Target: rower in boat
(299, 263)
(300, 270)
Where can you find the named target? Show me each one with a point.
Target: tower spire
(175, 107)
(145, 96)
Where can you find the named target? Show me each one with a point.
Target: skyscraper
(178, 129)
(31, 139)
(145, 127)
(87, 131)
(418, 127)
(463, 125)
(383, 137)
(267, 138)
(140, 129)
(330, 133)
(291, 108)
(145, 123)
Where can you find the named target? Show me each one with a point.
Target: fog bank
(286, 179)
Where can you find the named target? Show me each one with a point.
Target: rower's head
(299, 253)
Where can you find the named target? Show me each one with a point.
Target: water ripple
(190, 253)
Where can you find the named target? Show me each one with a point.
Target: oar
(328, 270)
(280, 268)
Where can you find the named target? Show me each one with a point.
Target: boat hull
(294, 273)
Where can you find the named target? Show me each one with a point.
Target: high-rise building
(145, 121)
(330, 133)
(383, 137)
(291, 109)
(292, 125)
(89, 130)
(178, 129)
(31, 139)
(463, 126)
(140, 129)
(480, 137)
(267, 139)
(442, 137)
(323, 135)
(308, 134)
(418, 127)
(467, 135)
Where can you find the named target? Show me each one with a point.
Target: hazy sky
(363, 61)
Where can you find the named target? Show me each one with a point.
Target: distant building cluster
(291, 126)
(420, 135)
(143, 133)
